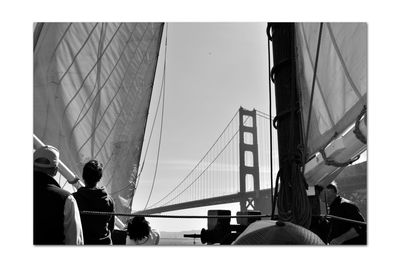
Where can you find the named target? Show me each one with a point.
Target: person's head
(329, 193)
(138, 228)
(46, 160)
(92, 173)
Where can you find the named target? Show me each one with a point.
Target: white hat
(46, 157)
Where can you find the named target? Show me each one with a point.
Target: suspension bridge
(237, 168)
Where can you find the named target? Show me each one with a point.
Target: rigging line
(64, 183)
(124, 126)
(102, 213)
(345, 70)
(116, 93)
(159, 142)
(317, 80)
(270, 123)
(156, 113)
(223, 149)
(150, 136)
(343, 219)
(200, 161)
(312, 95)
(162, 120)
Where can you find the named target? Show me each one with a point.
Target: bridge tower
(249, 167)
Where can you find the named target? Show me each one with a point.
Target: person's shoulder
(59, 190)
(78, 192)
(348, 204)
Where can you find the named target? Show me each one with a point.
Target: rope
(332, 162)
(312, 93)
(162, 119)
(270, 112)
(278, 176)
(284, 113)
(342, 219)
(360, 136)
(277, 67)
(100, 213)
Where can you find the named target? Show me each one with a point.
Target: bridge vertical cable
(217, 173)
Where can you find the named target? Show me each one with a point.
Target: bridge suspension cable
(217, 172)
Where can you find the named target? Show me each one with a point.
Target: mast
(292, 202)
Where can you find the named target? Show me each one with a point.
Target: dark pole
(288, 124)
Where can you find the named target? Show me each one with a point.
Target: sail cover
(92, 91)
(341, 80)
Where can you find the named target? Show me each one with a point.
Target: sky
(212, 70)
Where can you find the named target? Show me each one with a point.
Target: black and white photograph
(200, 133)
(192, 133)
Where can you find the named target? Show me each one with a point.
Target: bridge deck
(265, 193)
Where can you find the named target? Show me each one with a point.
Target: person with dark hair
(97, 229)
(140, 233)
(56, 218)
(343, 232)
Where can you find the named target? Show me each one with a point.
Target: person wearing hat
(342, 232)
(97, 229)
(56, 218)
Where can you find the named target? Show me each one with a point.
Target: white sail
(341, 81)
(92, 91)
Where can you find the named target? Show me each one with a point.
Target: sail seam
(109, 104)
(79, 118)
(90, 106)
(86, 77)
(58, 44)
(77, 54)
(97, 99)
(121, 112)
(115, 95)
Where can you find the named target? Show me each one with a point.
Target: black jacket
(96, 228)
(344, 208)
(48, 210)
